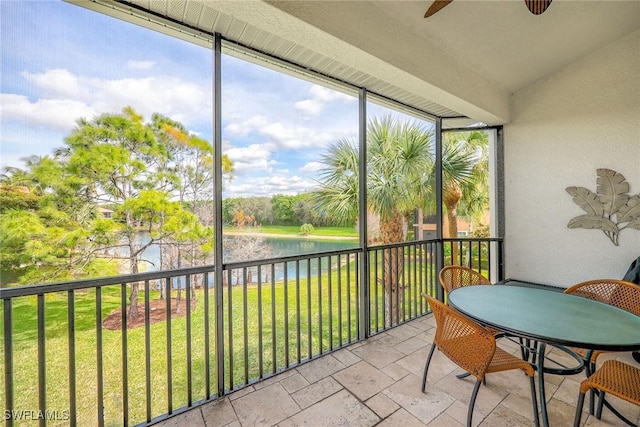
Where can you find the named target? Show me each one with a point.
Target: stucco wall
(564, 127)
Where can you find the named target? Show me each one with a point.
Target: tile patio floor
(377, 383)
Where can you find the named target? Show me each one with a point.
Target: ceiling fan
(536, 7)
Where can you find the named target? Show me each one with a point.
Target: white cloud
(55, 82)
(140, 65)
(245, 127)
(280, 135)
(56, 114)
(310, 106)
(320, 96)
(312, 167)
(269, 185)
(255, 157)
(171, 96)
(325, 94)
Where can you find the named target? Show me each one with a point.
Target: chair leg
(590, 368)
(576, 420)
(426, 367)
(472, 402)
(600, 402)
(534, 399)
(603, 402)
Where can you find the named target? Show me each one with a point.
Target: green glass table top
(549, 316)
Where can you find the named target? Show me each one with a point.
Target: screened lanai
(271, 87)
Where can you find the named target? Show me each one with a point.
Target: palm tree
(400, 179)
(464, 177)
(399, 158)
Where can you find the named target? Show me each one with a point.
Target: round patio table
(549, 317)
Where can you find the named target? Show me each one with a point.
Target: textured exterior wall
(564, 127)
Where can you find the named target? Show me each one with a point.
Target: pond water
(294, 246)
(269, 247)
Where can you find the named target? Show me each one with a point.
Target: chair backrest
(619, 293)
(466, 343)
(456, 276)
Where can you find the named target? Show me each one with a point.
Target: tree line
(80, 212)
(279, 209)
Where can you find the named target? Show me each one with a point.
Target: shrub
(306, 229)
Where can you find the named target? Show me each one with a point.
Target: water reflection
(250, 248)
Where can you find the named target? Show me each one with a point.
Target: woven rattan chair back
(618, 293)
(466, 343)
(616, 378)
(456, 276)
(621, 294)
(474, 349)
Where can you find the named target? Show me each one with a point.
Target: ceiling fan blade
(537, 7)
(436, 6)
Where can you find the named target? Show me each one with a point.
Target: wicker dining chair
(619, 293)
(474, 349)
(456, 276)
(616, 378)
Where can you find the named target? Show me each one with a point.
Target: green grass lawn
(262, 321)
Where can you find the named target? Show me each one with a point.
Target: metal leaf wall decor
(611, 209)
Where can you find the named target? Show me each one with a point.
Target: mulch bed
(157, 313)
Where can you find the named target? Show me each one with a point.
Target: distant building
(106, 213)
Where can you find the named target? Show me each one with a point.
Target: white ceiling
(507, 44)
(466, 60)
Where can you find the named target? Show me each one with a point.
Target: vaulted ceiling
(468, 59)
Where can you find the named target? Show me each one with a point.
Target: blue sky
(82, 64)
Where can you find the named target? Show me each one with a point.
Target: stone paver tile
(316, 392)
(189, 418)
(218, 413)
(346, 357)
(549, 387)
(513, 382)
(459, 410)
(488, 397)
(560, 413)
(410, 345)
(286, 423)
(519, 405)
(378, 354)
(242, 392)
(363, 380)
(440, 367)
(382, 405)
(294, 383)
(553, 380)
(423, 406)
(567, 392)
(377, 337)
(401, 418)
(427, 335)
(274, 379)
(395, 371)
(320, 368)
(404, 332)
(504, 417)
(444, 420)
(358, 344)
(340, 409)
(266, 406)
